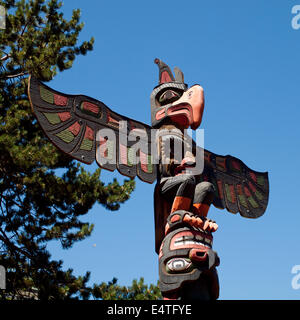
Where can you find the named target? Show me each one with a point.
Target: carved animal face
(173, 103)
(185, 254)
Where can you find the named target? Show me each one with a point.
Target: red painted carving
(75, 128)
(232, 193)
(236, 165)
(64, 116)
(143, 159)
(247, 192)
(165, 77)
(192, 236)
(60, 100)
(112, 120)
(253, 176)
(220, 187)
(252, 187)
(89, 133)
(90, 107)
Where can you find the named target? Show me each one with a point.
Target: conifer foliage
(37, 204)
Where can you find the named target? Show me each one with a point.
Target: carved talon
(215, 227)
(199, 222)
(210, 225)
(206, 225)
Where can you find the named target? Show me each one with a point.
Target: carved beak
(188, 109)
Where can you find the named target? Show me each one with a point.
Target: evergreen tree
(137, 291)
(36, 204)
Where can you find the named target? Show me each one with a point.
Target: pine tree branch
(7, 56)
(11, 76)
(22, 33)
(11, 246)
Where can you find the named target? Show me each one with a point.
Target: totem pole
(87, 130)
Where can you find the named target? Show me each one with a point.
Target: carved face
(172, 102)
(184, 255)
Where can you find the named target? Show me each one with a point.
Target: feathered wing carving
(78, 125)
(237, 187)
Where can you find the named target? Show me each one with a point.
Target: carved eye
(168, 96)
(178, 265)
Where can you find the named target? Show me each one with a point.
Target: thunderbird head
(172, 102)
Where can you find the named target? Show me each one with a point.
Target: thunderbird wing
(237, 187)
(87, 130)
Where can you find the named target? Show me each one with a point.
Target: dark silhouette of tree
(36, 204)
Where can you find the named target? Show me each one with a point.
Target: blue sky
(245, 54)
